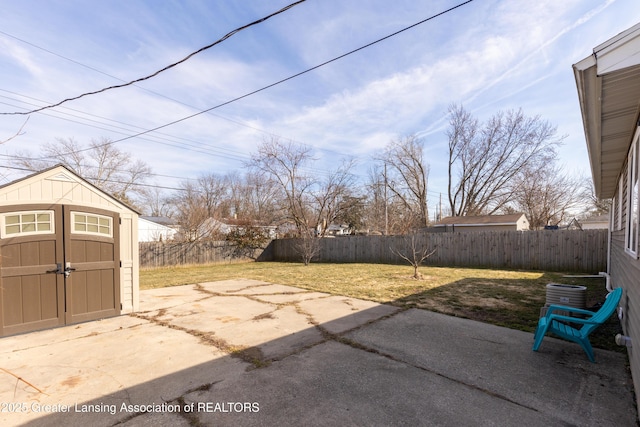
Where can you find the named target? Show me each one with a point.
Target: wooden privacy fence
(158, 254)
(551, 250)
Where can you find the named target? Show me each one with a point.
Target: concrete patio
(244, 353)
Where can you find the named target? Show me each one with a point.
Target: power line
(172, 141)
(270, 85)
(236, 122)
(186, 58)
(292, 76)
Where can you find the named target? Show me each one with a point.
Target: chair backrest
(605, 311)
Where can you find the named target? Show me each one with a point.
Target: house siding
(625, 271)
(511, 227)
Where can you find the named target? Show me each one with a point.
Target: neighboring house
(595, 222)
(269, 231)
(608, 83)
(156, 229)
(515, 222)
(338, 230)
(574, 224)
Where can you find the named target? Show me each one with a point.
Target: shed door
(92, 261)
(59, 265)
(31, 293)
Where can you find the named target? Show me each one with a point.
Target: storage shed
(68, 253)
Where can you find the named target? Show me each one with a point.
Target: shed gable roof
(59, 185)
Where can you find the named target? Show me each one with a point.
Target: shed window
(87, 223)
(631, 235)
(16, 224)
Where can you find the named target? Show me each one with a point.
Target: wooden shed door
(92, 263)
(31, 293)
(38, 244)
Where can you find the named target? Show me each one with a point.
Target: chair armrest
(557, 307)
(569, 319)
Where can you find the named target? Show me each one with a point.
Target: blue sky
(487, 55)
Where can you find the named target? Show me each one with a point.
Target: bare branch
(17, 134)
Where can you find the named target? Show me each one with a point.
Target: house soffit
(609, 91)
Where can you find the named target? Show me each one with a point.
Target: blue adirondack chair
(559, 325)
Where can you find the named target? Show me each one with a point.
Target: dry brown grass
(502, 297)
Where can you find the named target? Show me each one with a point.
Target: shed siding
(128, 271)
(55, 191)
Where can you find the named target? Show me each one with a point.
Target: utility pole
(386, 204)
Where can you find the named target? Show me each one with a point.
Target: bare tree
(332, 197)
(406, 175)
(307, 246)
(545, 195)
(101, 163)
(284, 162)
(414, 251)
(189, 213)
(256, 198)
(594, 206)
(156, 203)
(375, 212)
(213, 194)
(485, 158)
(199, 207)
(309, 203)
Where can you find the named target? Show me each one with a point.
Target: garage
(68, 253)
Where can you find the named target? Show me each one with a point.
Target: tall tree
(284, 163)
(546, 195)
(156, 203)
(101, 163)
(254, 198)
(199, 206)
(407, 175)
(375, 213)
(594, 206)
(332, 196)
(485, 159)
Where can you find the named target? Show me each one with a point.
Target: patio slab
(313, 360)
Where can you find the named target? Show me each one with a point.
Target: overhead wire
(254, 91)
(186, 58)
(246, 95)
(239, 123)
(174, 141)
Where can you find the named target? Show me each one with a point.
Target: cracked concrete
(246, 352)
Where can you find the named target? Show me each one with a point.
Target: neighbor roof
(609, 93)
(481, 220)
(161, 220)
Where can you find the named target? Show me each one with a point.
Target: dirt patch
(72, 381)
(264, 316)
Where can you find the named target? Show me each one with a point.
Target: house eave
(608, 83)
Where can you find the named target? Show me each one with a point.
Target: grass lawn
(502, 297)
